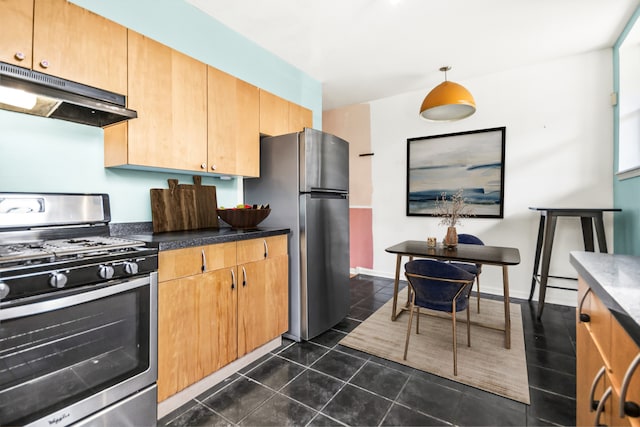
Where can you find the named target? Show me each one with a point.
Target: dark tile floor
(320, 383)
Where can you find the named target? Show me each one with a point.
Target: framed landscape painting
(470, 161)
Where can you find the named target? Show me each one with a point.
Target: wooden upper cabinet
(299, 118)
(16, 32)
(168, 90)
(274, 114)
(233, 125)
(76, 44)
(279, 116)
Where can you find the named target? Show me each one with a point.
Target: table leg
(602, 241)
(395, 287)
(587, 233)
(546, 259)
(507, 311)
(536, 260)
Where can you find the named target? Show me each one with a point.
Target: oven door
(67, 357)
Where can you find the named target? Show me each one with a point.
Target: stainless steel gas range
(78, 315)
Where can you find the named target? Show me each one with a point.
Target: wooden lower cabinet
(212, 309)
(605, 353)
(262, 303)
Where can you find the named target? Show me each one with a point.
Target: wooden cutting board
(173, 209)
(206, 203)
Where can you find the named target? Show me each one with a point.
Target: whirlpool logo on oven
(59, 418)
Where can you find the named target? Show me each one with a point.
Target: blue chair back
(436, 284)
(469, 239)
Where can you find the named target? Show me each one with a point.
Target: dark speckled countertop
(615, 280)
(184, 239)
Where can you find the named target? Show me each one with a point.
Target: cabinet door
(623, 353)
(219, 256)
(274, 114)
(76, 44)
(588, 364)
(233, 125)
(177, 335)
(217, 307)
(180, 263)
(262, 302)
(16, 32)
(259, 249)
(599, 324)
(299, 118)
(168, 89)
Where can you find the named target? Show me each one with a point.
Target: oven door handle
(71, 300)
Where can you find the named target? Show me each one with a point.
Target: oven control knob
(105, 272)
(130, 267)
(57, 280)
(4, 290)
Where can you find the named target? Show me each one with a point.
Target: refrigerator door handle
(328, 190)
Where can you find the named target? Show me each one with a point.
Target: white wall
(559, 153)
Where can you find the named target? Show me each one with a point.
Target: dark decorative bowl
(243, 218)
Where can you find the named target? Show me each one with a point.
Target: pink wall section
(361, 242)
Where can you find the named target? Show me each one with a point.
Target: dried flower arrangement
(452, 210)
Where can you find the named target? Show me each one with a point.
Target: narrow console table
(548, 218)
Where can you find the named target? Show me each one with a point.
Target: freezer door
(324, 247)
(324, 162)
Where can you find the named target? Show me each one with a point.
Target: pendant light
(448, 101)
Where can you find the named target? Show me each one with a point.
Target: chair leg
(455, 343)
(418, 320)
(406, 343)
(468, 327)
(478, 288)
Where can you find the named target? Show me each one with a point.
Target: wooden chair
(440, 286)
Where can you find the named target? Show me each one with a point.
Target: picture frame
(472, 161)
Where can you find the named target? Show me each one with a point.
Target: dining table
(476, 254)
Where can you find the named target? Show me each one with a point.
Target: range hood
(31, 92)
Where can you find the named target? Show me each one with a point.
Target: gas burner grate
(88, 244)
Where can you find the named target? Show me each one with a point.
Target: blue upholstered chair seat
(461, 304)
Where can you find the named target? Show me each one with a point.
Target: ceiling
(362, 50)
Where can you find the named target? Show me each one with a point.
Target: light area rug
(486, 365)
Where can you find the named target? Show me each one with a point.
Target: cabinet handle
(244, 277)
(266, 248)
(203, 166)
(19, 56)
(594, 403)
(233, 279)
(600, 408)
(44, 63)
(630, 409)
(213, 167)
(584, 317)
(204, 262)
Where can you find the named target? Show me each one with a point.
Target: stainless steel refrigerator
(304, 177)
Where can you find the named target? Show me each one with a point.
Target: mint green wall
(38, 154)
(626, 193)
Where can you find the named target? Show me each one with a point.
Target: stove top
(50, 242)
(52, 249)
